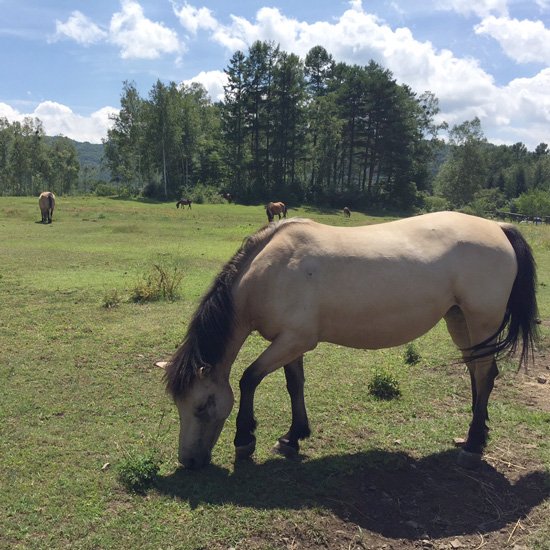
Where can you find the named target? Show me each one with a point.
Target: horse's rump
(275, 209)
(46, 203)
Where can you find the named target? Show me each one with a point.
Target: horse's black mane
(211, 326)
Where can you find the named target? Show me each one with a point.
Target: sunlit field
(79, 392)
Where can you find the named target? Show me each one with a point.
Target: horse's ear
(203, 372)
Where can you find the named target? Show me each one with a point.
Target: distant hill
(91, 156)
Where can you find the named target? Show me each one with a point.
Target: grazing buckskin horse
(347, 212)
(400, 279)
(183, 202)
(46, 202)
(275, 208)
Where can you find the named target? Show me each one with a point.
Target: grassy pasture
(78, 391)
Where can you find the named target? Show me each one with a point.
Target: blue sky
(65, 61)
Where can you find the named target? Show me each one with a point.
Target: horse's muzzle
(195, 462)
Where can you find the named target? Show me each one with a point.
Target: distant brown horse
(227, 196)
(275, 208)
(347, 212)
(46, 202)
(183, 202)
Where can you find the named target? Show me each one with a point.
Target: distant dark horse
(183, 202)
(275, 208)
(347, 212)
(227, 196)
(46, 202)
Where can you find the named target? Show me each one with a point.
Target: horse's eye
(202, 412)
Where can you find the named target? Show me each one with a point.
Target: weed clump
(411, 355)
(384, 386)
(138, 472)
(111, 298)
(160, 283)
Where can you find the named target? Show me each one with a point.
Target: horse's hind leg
(482, 375)
(299, 429)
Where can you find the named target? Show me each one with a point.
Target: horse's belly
(381, 330)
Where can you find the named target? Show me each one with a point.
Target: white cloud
(358, 37)
(79, 28)
(481, 8)
(137, 36)
(59, 119)
(523, 41)
(213, 82)
(6, 111)
(140, 37)
(193, 19)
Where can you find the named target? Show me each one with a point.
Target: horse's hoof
(469, 460)
(245, 451)
(285, 449)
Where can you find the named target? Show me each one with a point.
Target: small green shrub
(384, 386)
(105, 190)
(138, 472)
(111, 299)
(160, 283)
(411, 355)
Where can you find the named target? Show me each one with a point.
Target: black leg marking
(299, 429)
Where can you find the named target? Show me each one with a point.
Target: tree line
(31, 163)
(299, 130)
(305, 130)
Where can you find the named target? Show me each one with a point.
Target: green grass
(79, 390)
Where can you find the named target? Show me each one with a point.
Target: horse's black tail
(520, 324)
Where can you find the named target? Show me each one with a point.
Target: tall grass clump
(111, 298)
(160, 283)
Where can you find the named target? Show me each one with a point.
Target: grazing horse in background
(46, 202)
(227, 196)
(400, 279)
(275, 208)
(183, 202)
(347, 212)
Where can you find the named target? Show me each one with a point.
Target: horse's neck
(235, 344)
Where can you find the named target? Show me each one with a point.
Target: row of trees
(309, 130)
(31, 163)
(312, 130)
(166, 143)
(488, 177)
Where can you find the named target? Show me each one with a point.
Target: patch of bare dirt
(535, 382)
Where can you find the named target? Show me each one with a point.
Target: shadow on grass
(389, 493)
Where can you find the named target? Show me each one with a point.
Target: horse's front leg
(282, 351)
(245, 440)
(288, 445)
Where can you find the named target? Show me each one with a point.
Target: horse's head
(203, 409)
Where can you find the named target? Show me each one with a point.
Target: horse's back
(349, 284)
